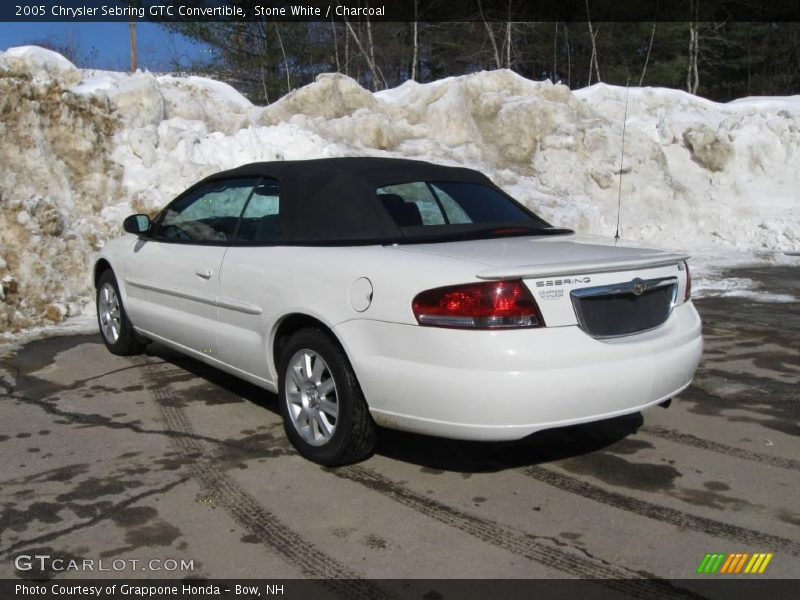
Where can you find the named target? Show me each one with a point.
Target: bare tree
(369, 57)
(132, 27)
(569, 56)
(507, 40)
(285, 60)
(346, 54)
(415, 54)
(593, 36)
(507, 44)
(647, 58)
(555, 53)
(261, 40)
(371, 46)
(692, 74)
(335, 46)
(497, 61)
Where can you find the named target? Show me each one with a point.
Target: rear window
(425, 207)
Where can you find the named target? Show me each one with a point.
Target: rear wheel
(115, 327)
(324, 412)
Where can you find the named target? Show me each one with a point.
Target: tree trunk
(415, 54)
(261, 46)
(285, 60)
(370, 44)
(749, 65)
(375, 66)
(497, 61)
(593, 36)
(692, 74)
(695, 70)
(508, 44)
(346, 54)
(264, 84)
(336, 46)
(569, 56)
(555, 53)
(368, 57)
(647, 58)
(133, 47)
(508, 36)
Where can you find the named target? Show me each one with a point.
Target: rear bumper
(504, 385)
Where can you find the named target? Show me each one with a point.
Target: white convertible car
(402, 293)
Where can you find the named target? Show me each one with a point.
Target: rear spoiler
(580, 267)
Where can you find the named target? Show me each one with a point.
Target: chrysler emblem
(639, 287)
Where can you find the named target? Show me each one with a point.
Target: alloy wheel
(311, 397)
(108, 310)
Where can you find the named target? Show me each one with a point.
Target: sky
(107, 45)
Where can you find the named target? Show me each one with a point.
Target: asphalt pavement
(126, 461)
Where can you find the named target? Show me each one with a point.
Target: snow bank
(39, 63)
(81, 149)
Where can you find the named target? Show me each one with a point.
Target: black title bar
(713, 588)
(400, 10)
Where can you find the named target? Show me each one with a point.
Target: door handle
(204, 273)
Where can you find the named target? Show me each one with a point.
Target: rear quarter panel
(316, 281)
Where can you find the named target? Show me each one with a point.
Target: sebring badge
(639, 286)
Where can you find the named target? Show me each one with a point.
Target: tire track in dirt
(246, 510)
(547, 551)
(687, 439)
(660, 513)
(256, 520)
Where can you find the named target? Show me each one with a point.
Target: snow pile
(39, 63)
(82, 149)
(55, 178)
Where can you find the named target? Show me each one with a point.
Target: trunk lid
(580, 280)
(531, 257)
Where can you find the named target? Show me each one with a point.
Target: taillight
(688, 293)
(486, 305)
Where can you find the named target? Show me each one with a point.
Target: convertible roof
(333, 199)
(380, 171)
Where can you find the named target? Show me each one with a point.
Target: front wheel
(324, 412)
(115, 327)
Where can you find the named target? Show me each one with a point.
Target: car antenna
(622, 161)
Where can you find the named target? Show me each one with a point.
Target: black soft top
(333, 199)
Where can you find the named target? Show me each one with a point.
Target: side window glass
(426, 203)
(411, 204)
(455, 214)
(208, 214)
(261, 218)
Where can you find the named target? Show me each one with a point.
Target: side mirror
(137, 224)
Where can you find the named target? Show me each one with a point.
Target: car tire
(324, 412)
(115, 327)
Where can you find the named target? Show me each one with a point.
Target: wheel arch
(103, 265)
(290, 324)
(100, 267)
